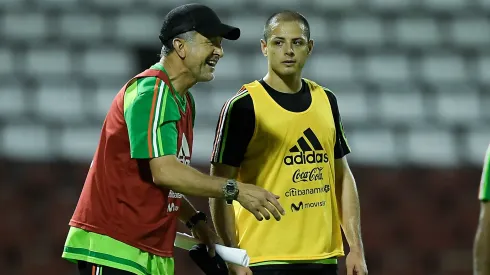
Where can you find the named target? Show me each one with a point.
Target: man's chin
(288, 72)
(206, 77)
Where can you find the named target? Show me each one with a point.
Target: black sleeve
(234, 130)
(341, 146)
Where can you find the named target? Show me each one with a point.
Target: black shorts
(85, 268)
(295, 269)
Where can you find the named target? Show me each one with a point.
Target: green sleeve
(484, 194)
(151, 114)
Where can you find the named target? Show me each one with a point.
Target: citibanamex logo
(294, 192)
(304, 176)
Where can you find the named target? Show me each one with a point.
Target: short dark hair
(286, 15)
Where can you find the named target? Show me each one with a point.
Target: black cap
(195, 17)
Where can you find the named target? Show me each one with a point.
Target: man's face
(202, 54)
(287, 48)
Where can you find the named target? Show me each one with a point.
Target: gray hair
(168, 47)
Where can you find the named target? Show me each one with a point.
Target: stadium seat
(12, 101)
(112, 4)
(374, 146)
(446, 5)
(24, 26)
(59, 103)
(45, 62)
(251, 27)
(471, 32)
(13, 4)
(6, 61)
(82, 27)
(223, 6)
(257, 68)
(352, 101)
(475, 144)
(443, 67)
(57, 4)
(431, 146)
(390, 5)
(336, 5)
(273, 4)
(321, 32)
(485, 101)
(165, 6)
(417, 32)
(78, 142)
(101, 101)
(229, 67)
(138, 29)
(457, 104)
(202, 98)
(483, 5)
(217, 99)
(387, 68)
(483, 65)
(101, 62)
(331, 66)
(400, 103)
(203, 144)
(362, 31)
(26, 141)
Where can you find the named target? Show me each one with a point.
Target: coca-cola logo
(314, 174)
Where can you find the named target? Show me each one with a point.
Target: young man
(284, 133)
(482, 239)
(125, 220)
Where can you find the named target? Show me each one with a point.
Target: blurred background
(411, 77)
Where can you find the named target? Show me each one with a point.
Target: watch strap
(199, 216)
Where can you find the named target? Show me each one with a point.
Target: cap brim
(229, 32)
(221, 30)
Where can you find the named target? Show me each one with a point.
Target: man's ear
(263, 47)
(179, 47)
(310, 46)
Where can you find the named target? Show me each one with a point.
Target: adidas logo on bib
(308, 150)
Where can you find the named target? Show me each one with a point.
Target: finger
(350, 270)
(264, 212)
(276, 204)
(273, 211)
(256, 214)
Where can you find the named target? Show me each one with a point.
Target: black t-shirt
(239, 119)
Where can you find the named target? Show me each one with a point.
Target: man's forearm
(351, 220)
(223, 214)
(184, 179)
(224, 221)
(350, 208)
(482, 243)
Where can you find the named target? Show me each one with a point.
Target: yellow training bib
(291, 154)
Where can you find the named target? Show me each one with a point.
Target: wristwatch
(199, 216)
(230, 190)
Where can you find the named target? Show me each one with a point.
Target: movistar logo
(301, 205)
(307, 150)
(295, 207)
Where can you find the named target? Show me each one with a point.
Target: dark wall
(414, 221)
